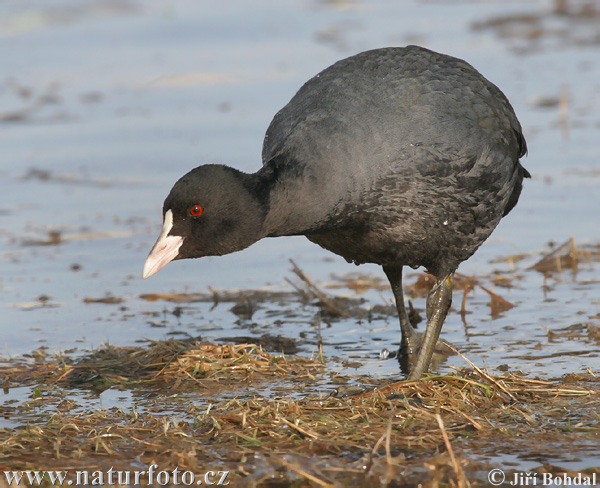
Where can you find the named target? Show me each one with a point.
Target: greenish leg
(410, 339)
(438, 304)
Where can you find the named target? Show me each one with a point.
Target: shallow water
(104, 106)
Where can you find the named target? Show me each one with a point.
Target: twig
(388, 452)
(373, 451)
(304, 432)
(311, 287)
(302, 472)
(460, 475)
(482, 373)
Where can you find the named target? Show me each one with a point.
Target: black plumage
(396, 156)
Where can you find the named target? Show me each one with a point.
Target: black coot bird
(396, 156)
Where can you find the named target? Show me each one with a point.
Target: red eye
(196, 210)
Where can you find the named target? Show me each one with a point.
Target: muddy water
(104, 106)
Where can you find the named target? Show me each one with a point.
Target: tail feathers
(514, 196)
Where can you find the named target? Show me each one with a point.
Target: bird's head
(210, 211)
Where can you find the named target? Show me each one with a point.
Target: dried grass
(187, 415)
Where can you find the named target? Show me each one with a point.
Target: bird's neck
(282, 198)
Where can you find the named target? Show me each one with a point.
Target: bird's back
(377, 138)
(419, 96)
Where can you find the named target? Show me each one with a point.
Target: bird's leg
(438, 304)
(410, 339)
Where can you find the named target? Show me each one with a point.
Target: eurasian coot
(395, 156)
